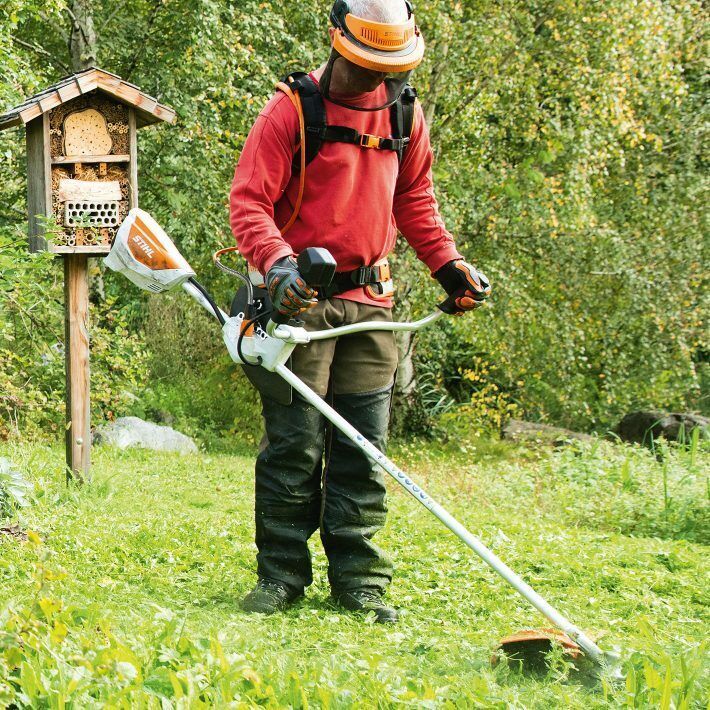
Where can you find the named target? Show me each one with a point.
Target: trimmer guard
(531, 643)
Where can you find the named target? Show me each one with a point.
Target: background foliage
(570, 166)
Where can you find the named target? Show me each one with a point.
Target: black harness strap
(343, 134)
(313, 115)
(402, 117)
(318, 130)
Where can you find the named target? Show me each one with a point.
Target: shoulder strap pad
(313, 115)
(402, 118)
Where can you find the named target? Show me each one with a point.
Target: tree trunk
(82, 51)
(82, 37)
(406, 384)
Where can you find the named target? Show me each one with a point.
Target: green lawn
(130, 595)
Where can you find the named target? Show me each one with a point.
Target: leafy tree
(570, 167)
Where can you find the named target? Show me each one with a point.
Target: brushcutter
(145, 254)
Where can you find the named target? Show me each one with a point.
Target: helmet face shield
(370, 57)
(367, 89)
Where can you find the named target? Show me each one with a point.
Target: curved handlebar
(373, 325)
(317, 266)
(288, 333)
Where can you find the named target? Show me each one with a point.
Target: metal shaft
(492, 560)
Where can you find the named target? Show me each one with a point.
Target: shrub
(32, 381)
(14, 491)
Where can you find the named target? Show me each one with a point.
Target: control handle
(317, 267)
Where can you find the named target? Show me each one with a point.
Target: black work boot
(367, 600)
(267, 597)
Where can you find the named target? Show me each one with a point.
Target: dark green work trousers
(296, 492)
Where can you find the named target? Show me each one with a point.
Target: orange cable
(296, 101)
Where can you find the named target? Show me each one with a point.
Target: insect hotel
(82, 179)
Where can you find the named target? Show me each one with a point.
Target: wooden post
(56, 148)
(76, 346)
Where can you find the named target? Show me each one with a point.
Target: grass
(126, 593)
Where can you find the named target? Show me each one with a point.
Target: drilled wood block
(86, 133)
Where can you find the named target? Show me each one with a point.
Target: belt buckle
(360, 276)
(384, 273)
(367, 140)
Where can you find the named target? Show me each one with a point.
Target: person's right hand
(290, 294)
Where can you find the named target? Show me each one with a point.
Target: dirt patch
(532, 432)
(15, 532)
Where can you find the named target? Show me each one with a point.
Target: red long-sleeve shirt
(355, 198)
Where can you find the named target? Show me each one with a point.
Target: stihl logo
(145, 247)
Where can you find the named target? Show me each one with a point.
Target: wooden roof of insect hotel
(148, 110)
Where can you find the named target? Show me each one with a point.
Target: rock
(132, 431)
(644, 426)
(518, 430)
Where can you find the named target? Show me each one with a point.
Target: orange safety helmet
(387, 52)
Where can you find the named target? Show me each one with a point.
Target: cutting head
(146, 255)
(530, 649)
(531, 646)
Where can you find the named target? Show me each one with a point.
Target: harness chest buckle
(367, 140)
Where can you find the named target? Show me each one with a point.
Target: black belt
(347, 280)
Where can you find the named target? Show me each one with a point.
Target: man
(368, 176)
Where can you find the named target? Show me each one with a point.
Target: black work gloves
(467, 288)
(290, 294)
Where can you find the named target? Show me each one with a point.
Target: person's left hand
(467, 287)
